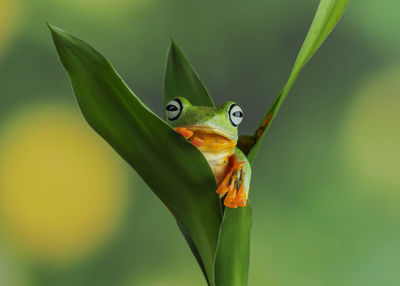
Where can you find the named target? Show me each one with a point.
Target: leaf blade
(182, 80)
(183, 180)
(232, 257)
(325, 19)
(233, 249)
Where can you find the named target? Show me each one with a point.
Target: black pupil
(172, 107)
(238, 114)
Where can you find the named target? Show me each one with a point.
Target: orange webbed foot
(233, 186)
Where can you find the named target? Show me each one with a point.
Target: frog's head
(206, 122)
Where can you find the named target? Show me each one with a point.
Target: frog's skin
(214, 132)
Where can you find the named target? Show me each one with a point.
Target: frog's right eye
(173, 109)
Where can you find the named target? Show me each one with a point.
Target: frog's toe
(236, 196)
(184, 132)
(241, 198)
(222, 190)
(226, 183)
(230, 197)
(230, 205)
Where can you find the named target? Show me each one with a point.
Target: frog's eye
(235, 115)
(173, 109)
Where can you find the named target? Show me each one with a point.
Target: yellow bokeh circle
(62, 189)
(372, 132)
(10, 11)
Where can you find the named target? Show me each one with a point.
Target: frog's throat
(219, 162)
(212, 130)
(215, 157)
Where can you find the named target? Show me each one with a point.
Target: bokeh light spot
(9, 17)
(372, 133)
(62, 189)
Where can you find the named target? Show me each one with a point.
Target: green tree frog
(214, 132)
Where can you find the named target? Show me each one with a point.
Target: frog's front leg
(236, 184)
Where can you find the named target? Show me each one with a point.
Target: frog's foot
(188, 134)
(233, 186)
(184, 132)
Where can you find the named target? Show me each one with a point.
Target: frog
(214, 131)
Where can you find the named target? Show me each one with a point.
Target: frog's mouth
(209, 139)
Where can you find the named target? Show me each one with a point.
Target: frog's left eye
(173, 109)
(235, 115)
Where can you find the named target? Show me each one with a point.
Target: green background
(325, 188)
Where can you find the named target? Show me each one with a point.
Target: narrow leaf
(182, 80)
(232, 258)
(233, 251)
(326, 17)
(172, 167)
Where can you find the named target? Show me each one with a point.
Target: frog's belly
(219, 163)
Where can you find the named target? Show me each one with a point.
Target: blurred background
(326, 184)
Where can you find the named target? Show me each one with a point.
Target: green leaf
(182, 80)
(172, 167)
(233, 251)
(232, 257)
(327, 16)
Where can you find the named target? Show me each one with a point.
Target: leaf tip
(57, 34)
(54, 29)
(173, 47)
